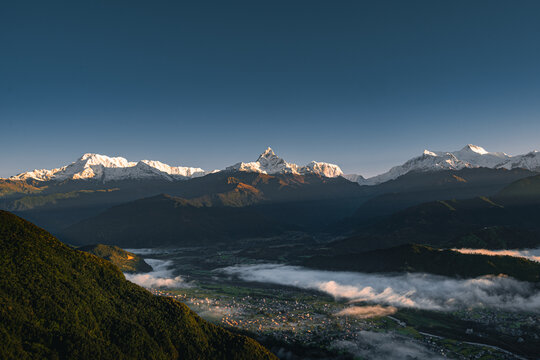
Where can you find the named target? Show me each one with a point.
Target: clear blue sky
(364, 84)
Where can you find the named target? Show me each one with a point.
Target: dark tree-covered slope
(496, 223)
(419, 187)
(60, 303)
(164, 220)
(57, 205)
(419, 258)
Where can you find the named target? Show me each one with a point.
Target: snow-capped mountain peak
(476, 156)
(476, 149)
(323, 169)
(530, 161)
(90, 159)
(175, 170)
(267, 154)
(269, 163)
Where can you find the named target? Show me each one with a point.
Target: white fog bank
(160, 276)
(421, 291)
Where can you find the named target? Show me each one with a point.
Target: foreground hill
(419, 258)
(125, 260)
(57, 302)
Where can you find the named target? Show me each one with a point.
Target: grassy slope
(17, 188)
(56, 302)
(125, 260)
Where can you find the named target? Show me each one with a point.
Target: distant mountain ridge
(57, 204)
(471, 156)
(103, 168)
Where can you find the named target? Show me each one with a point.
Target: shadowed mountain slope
(506, 220)
(418, 187)
(522, 191)
(164, 220)
(61, 204)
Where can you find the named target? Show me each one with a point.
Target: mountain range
(471, 156)
(105, 169)
(257, 205)
(93, 198)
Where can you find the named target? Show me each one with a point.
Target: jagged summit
(429, 153)
(267, 154)
(107, 161)
(475, 148)
(269, 163)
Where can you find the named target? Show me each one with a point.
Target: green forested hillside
(60, 303)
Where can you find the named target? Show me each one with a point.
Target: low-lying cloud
(386, 346)
(421, 291)
(366, 312)
(531, 254)
(161, 276)
(151, 251)
(212, 312)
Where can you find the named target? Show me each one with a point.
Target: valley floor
(298, 323)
